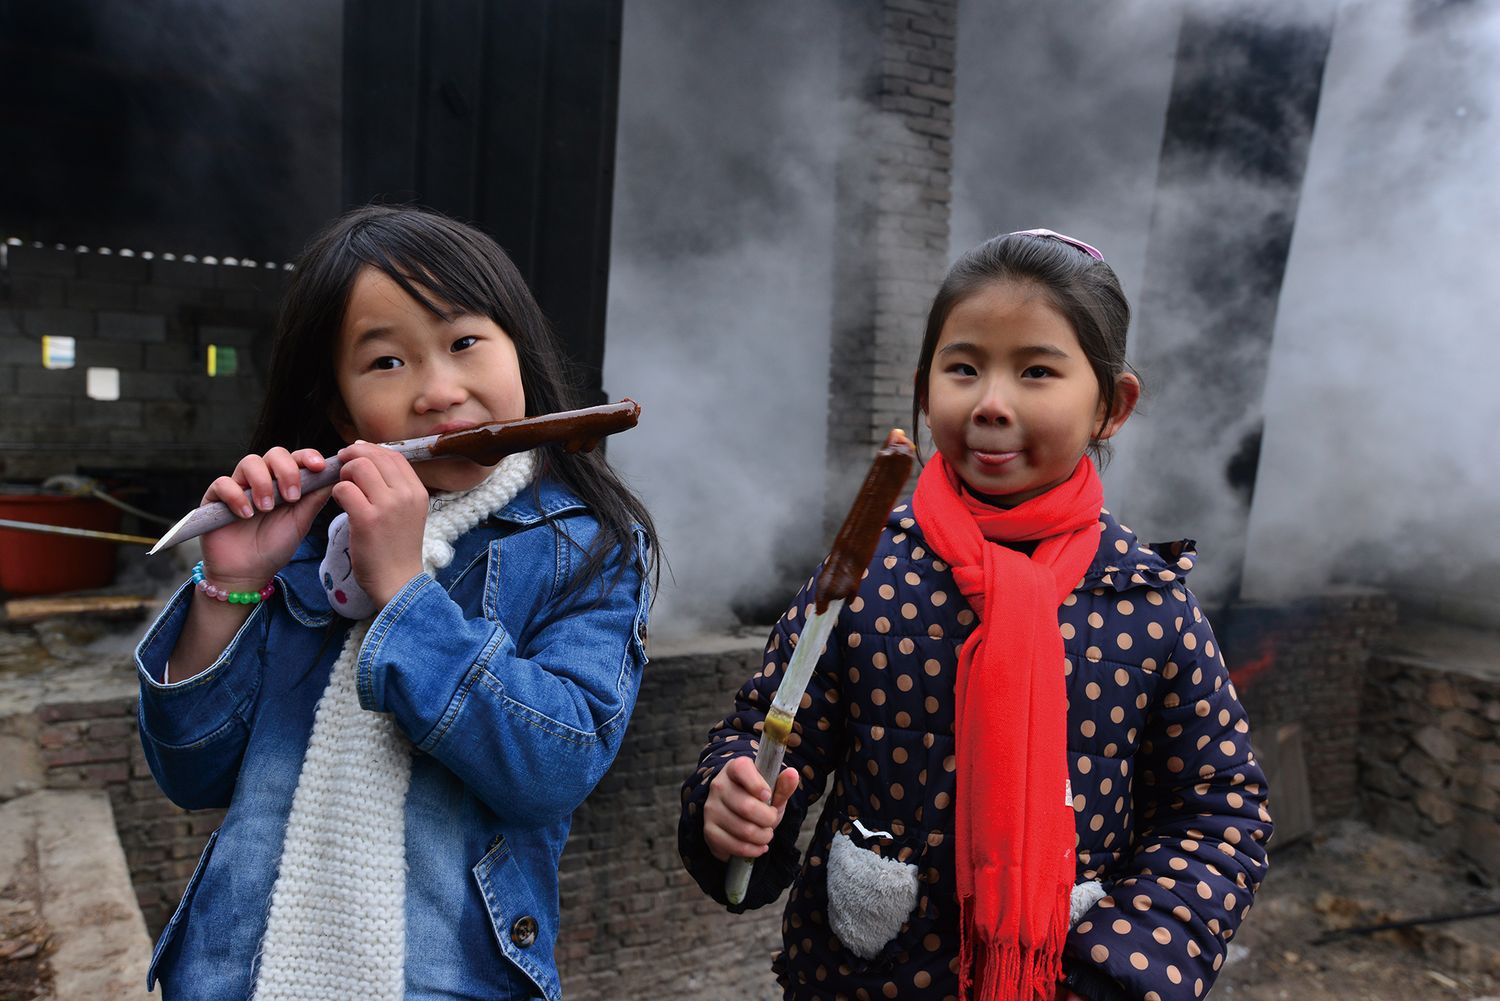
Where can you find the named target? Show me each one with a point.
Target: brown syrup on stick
(855, 544)
(574, 430)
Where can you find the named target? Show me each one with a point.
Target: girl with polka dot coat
(1169, 802)
(1013, 813)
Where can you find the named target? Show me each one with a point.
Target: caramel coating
(575, 430)
(855, 544)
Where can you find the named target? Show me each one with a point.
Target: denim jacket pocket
(159, 955)
(518, 920)
(874, 889)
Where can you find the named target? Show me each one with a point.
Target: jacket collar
(308, 602)
(1123, 561)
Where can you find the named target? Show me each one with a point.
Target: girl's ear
(916, 380)
(339, 417)
(1127, 395)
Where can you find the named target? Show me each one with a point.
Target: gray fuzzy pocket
(869, 897)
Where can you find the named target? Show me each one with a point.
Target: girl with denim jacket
(400, 719)
(1042, 783)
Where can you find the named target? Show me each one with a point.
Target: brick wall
(93, 745)
(152, 320)
(1306, 663)
(635, 925)
(894, 188)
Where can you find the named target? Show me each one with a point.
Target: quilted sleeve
(1201, 832)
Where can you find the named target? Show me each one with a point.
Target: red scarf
(1014, 834)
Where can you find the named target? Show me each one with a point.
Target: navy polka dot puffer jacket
(1170, 802)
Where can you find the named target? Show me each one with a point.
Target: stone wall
(1430, 753)
(150, 319)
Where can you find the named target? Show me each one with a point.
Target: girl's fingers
(256, 476)
(786, 784)
(309, 507)
(724, 844)
(231, 494)
(286, 472)
(348, 495)
(740, 795)
(394, 468)
(310, 458)
(362, 472)
(742, 772)
(253, 475)
(747, 810)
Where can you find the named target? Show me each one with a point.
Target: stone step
(67, 889)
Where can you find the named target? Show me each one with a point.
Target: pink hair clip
(1086, 248)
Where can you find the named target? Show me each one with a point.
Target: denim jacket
(514, 693)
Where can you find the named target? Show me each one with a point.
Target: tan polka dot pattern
(1168, 802)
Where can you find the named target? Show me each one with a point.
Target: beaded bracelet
(233, 597)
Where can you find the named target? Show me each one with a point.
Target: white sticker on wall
(57, 352)
(103, 384)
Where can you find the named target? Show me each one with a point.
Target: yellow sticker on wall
(222, 360)
(58, 352)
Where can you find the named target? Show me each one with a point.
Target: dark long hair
(451, 269)
(1084, 290)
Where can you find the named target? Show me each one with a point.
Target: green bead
(254, 597)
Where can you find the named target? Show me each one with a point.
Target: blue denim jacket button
(523, 932)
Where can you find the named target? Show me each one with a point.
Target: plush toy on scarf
(345, 596)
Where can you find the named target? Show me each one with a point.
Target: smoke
(1377, 402)
(1378, 398)
(720, 292)
(1058, 122)
(1378, 464)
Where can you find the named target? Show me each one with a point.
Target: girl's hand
(387, 508)
(245, 555)
(741, 813)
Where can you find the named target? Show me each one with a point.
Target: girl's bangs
(434, 271)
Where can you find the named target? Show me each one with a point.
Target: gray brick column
(894, 187)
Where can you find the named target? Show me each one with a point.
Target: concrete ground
(70, 927)
(1348, 875)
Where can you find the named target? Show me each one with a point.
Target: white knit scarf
(337, 923)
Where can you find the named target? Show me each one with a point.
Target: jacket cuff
(1091, 982)
(773, 872)
(370, 675)
(190, 711)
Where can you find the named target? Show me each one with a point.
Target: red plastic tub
(37, 563)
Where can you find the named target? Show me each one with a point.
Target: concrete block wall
(1306, 663)
(150, 319)
(894, 190)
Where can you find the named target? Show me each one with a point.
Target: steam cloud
(720, 292)
(1379, 402)
(1378, 464)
